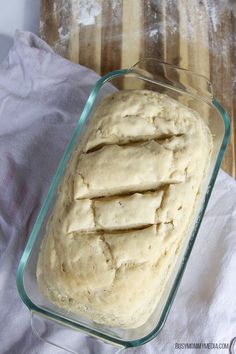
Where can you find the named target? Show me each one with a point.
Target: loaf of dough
(124, 208)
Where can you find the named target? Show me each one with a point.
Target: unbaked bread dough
(124, 208)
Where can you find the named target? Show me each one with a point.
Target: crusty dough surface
(124, 208)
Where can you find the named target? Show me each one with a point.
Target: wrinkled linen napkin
(41, 98)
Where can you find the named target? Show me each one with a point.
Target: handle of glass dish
(169, 75)
(66, 338)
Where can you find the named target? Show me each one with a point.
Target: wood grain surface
(105, 35)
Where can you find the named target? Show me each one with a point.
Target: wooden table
(110, 34)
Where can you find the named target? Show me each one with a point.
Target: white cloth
(41, 98)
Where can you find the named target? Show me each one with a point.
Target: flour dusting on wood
(88, 11)
(208, 14)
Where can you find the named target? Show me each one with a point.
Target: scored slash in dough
(123, 118)
(123, 212)
(122, 169)
(124, 208)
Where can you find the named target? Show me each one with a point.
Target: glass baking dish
(194, 91)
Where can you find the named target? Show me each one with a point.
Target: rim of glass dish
(52, 190)
(171, 66)
(198, 94)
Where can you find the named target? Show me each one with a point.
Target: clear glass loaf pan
(195, 92)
